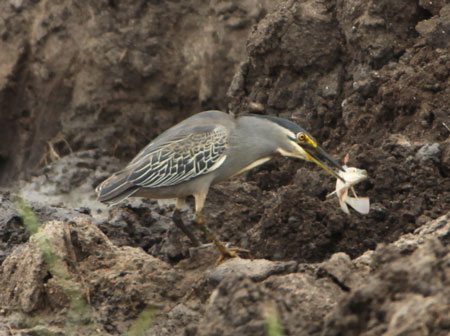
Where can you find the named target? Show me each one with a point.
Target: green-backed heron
(203, 150)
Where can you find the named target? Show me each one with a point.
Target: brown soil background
(84, 86)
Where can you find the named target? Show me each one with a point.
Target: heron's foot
(225, 251)
(232, 252)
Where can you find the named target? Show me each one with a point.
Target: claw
(233, 252)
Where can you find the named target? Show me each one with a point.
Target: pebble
(429, 152)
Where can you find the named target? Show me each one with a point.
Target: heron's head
(298, 143)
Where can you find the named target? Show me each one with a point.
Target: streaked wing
(180, 158)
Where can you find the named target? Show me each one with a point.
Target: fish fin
(360, 204)
(344, 207)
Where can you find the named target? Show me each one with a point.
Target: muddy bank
(82, 89)
(70, 278)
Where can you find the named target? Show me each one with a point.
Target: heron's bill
(318, 156)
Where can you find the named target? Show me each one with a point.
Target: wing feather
(179, 159)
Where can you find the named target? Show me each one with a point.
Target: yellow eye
(301, 137)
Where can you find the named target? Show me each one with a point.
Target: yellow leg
(201, 224)
(225, 253)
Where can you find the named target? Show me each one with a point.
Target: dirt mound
(61, 267)
(73, 280)
(83, 88)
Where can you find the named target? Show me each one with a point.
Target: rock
(436, 29)
(429, 152)
(276, 47)
(364, 26)
(256, 270)
(434, 6)
(12, 230)
(240, 306)
(407, 293)
(73, 261)
(340, 269)
(423, 308)
(23, 289)
(364, 80)
(445, 158)
(332, 84)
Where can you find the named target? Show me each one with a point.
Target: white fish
(351, 176)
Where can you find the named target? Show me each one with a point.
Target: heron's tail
(116, 188)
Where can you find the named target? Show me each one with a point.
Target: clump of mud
(82, 89)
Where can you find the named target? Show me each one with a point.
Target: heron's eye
(301, 137)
